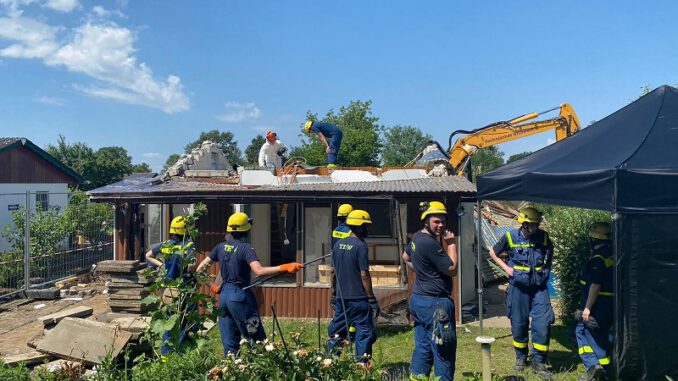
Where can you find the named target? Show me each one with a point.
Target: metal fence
(47, 236)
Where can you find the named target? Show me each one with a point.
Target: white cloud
(34, 39)
(238, 112)
(103, 12)
(152, 155)
(64, 6)
(52, 101)
(104, 52)
(550, 141)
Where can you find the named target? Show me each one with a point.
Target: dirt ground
(19, 318)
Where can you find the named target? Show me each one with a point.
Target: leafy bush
(568, 228)
(14, 373)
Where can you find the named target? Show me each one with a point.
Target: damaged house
(294, 211)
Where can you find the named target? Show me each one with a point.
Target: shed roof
(151, 190)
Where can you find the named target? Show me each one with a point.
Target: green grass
(393, 349)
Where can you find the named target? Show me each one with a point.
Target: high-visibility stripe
(340, 235)
(585, 349)
(604, 361)
(582, 282)
(609, 262)
(517, 245)
(522, 268)
(540, 347)
(538, 268)
(520, 345)
(605, 293)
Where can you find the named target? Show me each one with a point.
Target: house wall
(15, 194)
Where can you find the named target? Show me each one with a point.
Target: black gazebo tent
(627, 164)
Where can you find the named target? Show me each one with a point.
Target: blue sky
(150, 75)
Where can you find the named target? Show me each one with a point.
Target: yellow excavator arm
(566, 124)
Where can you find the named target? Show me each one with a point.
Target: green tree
(111, 164)
(102, 167)
(77, 156)
(518, 156)
(224, 140)
(142, 167)
(402, 144)
(170, 161)
(361, 145)
(252, 150)
(486, 159)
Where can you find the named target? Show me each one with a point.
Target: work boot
(520, 365)
(540, 369)
(594, 373)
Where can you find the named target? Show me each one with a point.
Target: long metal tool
(264, 280)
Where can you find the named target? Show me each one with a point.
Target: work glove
(291, 267)
(216, 288)
(282, 152)
(375, 311)
(592, 323)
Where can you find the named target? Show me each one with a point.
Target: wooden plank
(84, 340)
(55, 318)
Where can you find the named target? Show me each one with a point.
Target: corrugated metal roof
(140, 187)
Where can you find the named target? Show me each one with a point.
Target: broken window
(274, 237)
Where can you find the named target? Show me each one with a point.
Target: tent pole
(480, 273)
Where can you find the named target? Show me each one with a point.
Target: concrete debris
(76, 367)
(55, 318)
(39, 306)
(28, 358)
(67, 282)
(126, 288)
(113, 266)
(43, 294)
(78, 299)
(84, 340)
(208, 156)
(134, 324)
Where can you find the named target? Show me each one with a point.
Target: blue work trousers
(594, 343)
(426, 352)
(523, 303)
(240, 318)
(359, 316)
(334, 143)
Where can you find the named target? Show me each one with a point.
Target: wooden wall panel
(21, 165)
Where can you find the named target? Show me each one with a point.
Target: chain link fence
(47, 236)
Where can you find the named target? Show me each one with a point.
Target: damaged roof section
(205, 174)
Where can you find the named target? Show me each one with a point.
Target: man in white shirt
(272, 152)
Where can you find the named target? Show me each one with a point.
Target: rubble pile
(128, 285)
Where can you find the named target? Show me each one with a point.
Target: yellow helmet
(178, 225)
(530, 215)
(344, 210)
(239, 222)
(307, 126)
(601, 230)
(358, 217)
(431, 207)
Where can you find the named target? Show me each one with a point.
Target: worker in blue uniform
(530, 255)
(351, 286)
(596, 318)
(330, 135)
(173, 254)
(432, 254)
(237, 259)
(342, 230)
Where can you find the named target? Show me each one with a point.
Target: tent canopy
(627, 162)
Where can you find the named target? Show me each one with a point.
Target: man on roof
(272, 153)
(330, 135)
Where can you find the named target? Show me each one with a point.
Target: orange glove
(291, 267)
(215, 288)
